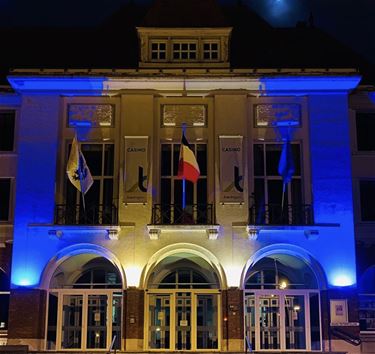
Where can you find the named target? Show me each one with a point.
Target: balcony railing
(275, 214)
(97, 214)
(173, 214)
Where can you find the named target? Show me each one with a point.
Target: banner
(136, 169)
(231, 169)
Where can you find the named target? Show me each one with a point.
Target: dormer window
(158, 50)
(211, 50)
(184, 51)
(184, 47)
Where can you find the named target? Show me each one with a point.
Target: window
(211, 51)
(7, 123)
(367, 195)
(365, 124)
(268, 184)
(158, 51)
(99, 207)
(185, 51)
(171, 187)
(5, 194)
(267, 204)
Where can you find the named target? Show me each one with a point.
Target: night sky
(350, 21)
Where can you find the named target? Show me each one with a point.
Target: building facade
(251, 262)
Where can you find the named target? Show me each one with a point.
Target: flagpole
(80, 176)
(183, 179)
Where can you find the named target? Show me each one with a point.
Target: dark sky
(351, 21)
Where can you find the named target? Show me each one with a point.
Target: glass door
(207, 321)
(183, 321)
(86, 320)
(97, 322)
(283, 320)
(71, 328)
(269, 306)
(159, 321)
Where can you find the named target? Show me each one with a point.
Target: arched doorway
(85, 305)
(282, 305)
(182, 305)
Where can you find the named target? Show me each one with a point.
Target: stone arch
(183, 248)
(291, 250)
(75, 250)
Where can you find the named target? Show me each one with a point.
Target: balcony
(96, 214)
(274, 214)
(173, 214)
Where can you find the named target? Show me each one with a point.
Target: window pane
(296, 191)
(52, 321)
(365, 123)
(166, 159)
(165, 192)
(7, 120)
(93, 156)
(202, 191)
(258, 160)
(273, 152)
(176, 157)
(259, 191)
(108, 159)
(4, 198)
(367, 196)
(296, 159)
(202, 158)
(108, 191)
(275, 192)
(92, 197)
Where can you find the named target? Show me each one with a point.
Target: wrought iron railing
(275, 214)
(94, 214)
(174, 214)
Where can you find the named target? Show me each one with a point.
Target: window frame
(267, 178)
(151, 51)
(180, 42)
(14, 111)
(100, 178)
(203, 51)
(10, 202)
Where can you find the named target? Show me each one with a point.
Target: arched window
(281, 272)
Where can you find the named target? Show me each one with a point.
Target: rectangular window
(7, 124)
(365, 125)
(5, 197)
(158, 51)
(99, 207)
(268, 187)
(367, 197)
(185, 51)
(171, 186)
(211, 51)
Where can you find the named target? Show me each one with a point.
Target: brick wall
(27, 312)
(232, 308)
(133, 313)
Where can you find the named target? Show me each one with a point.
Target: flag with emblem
(77, 169)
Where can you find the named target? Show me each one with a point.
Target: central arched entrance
(182, 307)
(282, 305)
(85, 305)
